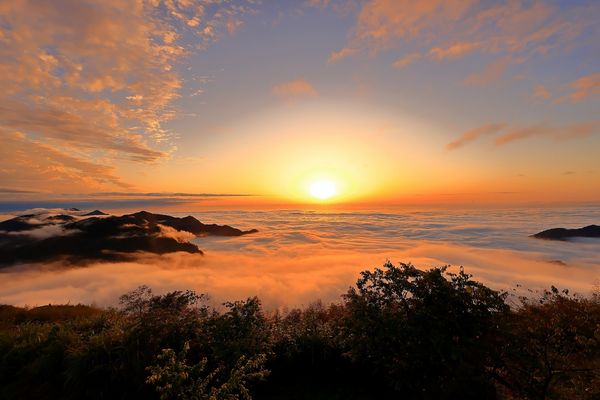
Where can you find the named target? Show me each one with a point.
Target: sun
(323, 189)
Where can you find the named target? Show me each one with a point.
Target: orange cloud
(99, 78)
(339, 55)
(406, 60)
(294, 89)
(492, 72)
(541, 92)
(24, 161)
(279, 279)
(473, 134)
(445, 29)
(574, 131)
(380, 22)
(584, 87)
(453, 51)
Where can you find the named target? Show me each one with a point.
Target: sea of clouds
(298, 257)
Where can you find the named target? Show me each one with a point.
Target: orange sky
(388, 102)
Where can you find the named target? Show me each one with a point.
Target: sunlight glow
(323, 189)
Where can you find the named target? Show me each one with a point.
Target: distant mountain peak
(590, 231)
(95, 212)
(110, 238)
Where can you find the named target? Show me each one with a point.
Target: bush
(426, 331)
(400, 332)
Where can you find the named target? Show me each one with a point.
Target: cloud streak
(505, 134)
(584, 88)
(31, 163)
(473, 134)
(569, 132)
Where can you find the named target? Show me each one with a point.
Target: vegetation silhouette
(401, 332)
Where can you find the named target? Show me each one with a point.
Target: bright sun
(322, 189)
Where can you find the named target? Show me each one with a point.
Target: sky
(248, 103)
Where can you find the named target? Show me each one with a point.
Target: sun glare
(322, 189)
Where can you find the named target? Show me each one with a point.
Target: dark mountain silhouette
(27, 238)
(95, 212)
(18, 224)
(590, 231)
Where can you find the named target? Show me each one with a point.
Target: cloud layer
(298, 257)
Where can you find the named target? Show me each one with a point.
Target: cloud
(512, 133)
(30, 163)
(278, 280)
(16, 191)
(568, 132)
(318, 3)
(473, 134)
(294, 89)
(172, 233)
(74, 128)
(406, 60)
(381, 22)
(100, 78)
(454, 51)
(492, 72)
(296, 257)
(541, 92)
(44, 232)
(584, 87)
(507, 30)
(168, 194)
(339, 55)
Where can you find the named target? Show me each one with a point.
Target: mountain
(95, 212)
(590, 231)
(37, 238)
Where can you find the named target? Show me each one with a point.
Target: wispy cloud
(584, 88)
(506, 134)
(453, 51)
(25, 163)
(294, 89)
(473, 134)
(406, 60)
(568, 132)
(444, 29)
(340, 55)
(541, 92)
(16, 191)
(492, 72)
(168, 194)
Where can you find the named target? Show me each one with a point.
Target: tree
(551, 347)
(426, 331)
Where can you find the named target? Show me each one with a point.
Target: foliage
(551, 347)
(173, 378)
(400, 332)
(425, 330)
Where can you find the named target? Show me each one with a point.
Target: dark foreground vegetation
(400, 333)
